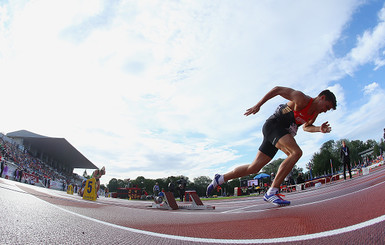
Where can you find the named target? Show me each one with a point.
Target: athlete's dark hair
(329, 96)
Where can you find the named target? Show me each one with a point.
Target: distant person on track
(182, 183)
(81, 189)
(279, 131)
(300, 181)
(5, 171)
(97, 174)
(171, 187)
(156, 189)
(345, 158)
(2, 166)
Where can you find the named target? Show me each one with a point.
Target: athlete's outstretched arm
(287, 93)
(324, 128)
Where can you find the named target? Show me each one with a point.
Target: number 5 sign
(90, 190)
(70, 190)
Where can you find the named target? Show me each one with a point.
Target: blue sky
(159, 88)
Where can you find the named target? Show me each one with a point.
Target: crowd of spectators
(31, 168)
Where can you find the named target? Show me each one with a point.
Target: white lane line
(239, 210)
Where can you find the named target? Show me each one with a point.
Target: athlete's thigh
(259, 162)
(261, 159)
(287, 144)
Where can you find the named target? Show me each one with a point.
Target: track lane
(312, 212)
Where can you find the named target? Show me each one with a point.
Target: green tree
(202, 181)
(295, 172)
(200, 184)
(382, 145)
(113, 185)
(330, 150)
(121, 183)
(355, 147)
(228, 187)
(376, 150)
(321, 160)
(370, 144)
(273, 166)
(143, 183)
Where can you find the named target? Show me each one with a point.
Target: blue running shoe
(213, 184)
(276, 199)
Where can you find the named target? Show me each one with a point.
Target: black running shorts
(272, 130)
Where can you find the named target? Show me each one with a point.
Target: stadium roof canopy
(57, 148)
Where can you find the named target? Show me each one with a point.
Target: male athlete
(279, 131)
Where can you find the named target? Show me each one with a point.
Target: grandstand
(43, 157)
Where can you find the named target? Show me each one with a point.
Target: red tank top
(302, 116)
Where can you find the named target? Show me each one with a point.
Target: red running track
(343, 212)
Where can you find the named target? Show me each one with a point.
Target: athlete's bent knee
(297, 154)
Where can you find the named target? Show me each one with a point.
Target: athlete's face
(325, 105)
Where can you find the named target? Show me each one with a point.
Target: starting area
(169, 202)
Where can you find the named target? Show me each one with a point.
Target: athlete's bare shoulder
(298, 100)
(292, 94)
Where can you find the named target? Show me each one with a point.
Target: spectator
(300, 181)
(287, 183)
(345, 157)
(182, 188)
(161, 194)
(16, 174)
(171, 187)
(6, 170)
(359, 168)
(156, 189)
(272, 176)
(2, 167)
(81, 190)
(20, 174)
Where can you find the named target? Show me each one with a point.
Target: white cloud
(367, 122)
(369, 48)
(368, 89)
(158, 88)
